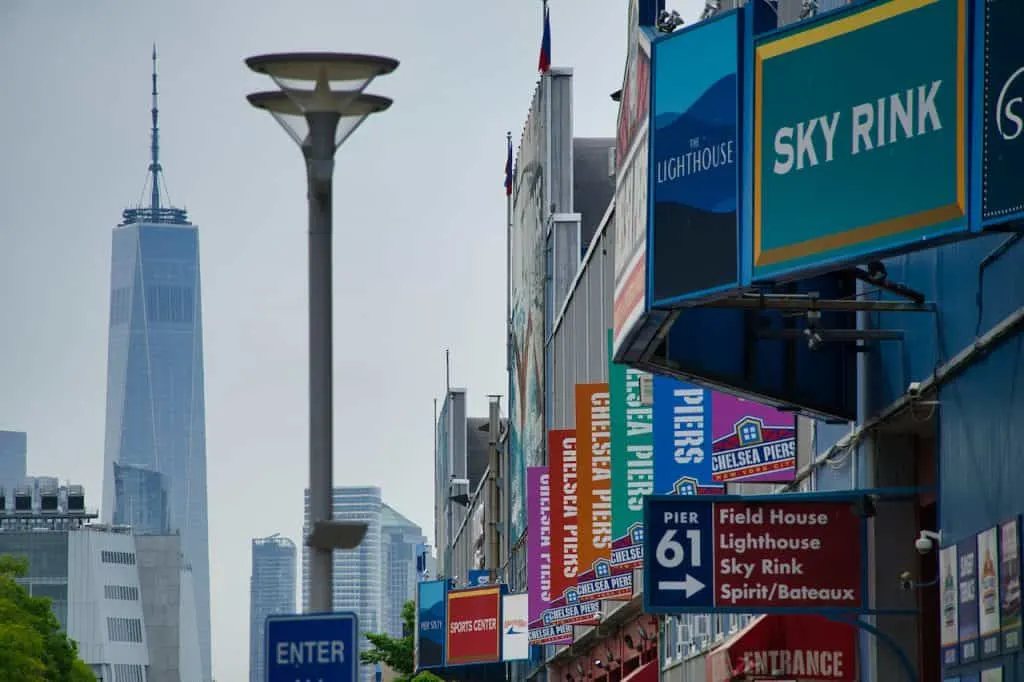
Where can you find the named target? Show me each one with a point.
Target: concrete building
(125, 599)
(271, 591)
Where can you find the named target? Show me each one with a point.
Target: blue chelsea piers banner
(859, 135)
(694, 161)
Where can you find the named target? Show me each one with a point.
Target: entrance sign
(859, 136)
(1000, 89)
(314, 646)
(752, 554)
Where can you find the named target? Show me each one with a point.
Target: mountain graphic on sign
(513, 631)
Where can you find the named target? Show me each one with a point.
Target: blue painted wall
(981, 414)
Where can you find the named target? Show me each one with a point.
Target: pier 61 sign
(752, 555)
(859, 135)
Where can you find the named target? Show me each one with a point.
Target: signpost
(752, 555)
(315, 647)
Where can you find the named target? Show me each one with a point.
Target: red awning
(803, 647)
(648, 672)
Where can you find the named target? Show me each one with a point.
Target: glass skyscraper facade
(402, 541)
(358, 572)
(155, 451)
(271, 591)
(13, 459)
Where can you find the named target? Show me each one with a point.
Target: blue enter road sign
(679, 555)
(314, 647)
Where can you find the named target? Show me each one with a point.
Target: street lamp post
(320, 103)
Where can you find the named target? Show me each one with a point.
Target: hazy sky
(419, 220)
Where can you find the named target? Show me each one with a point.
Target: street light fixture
(320, 103)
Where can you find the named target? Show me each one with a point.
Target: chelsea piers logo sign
(1002, 149)
(1009, 110)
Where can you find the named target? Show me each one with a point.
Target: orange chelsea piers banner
(593, 455)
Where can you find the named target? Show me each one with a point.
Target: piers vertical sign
(859, 136)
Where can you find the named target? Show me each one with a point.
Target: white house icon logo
(750, 431)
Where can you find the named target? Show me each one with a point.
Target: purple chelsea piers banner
(752, 443)
(538, 539)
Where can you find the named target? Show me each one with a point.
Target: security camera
(914, 389)
(925, 542)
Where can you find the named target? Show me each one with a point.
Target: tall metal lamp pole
(320, 103)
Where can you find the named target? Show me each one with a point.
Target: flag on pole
(544, 63)
(508, 167)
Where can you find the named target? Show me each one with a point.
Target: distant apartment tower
(358, 583)
(155, 453)
(401, 544)
(271, 591)
(13, 458)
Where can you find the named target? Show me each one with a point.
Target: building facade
(125, 599)
(271, 592)
(400, 542)
(358, 573)
(155, 451)
(13, 458)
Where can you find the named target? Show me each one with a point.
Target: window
(124, 558)
(170, 304)
(120, 305)
(124, 629)
(123, 592)
(126, 672)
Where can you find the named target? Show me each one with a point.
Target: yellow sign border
(885, 228)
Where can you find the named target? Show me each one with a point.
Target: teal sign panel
(860, 122)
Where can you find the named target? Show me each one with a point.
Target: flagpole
(508, 267)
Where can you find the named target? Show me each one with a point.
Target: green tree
(398, 653)
(32, 646)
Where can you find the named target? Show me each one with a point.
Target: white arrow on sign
(690, 586)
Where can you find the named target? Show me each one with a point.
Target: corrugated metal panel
(561, 141)
(579, 343)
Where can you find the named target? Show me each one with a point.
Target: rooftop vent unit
(22, 499)
(76, 498)
(49, 500)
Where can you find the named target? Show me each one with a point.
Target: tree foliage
(398, 653)
(32, 646)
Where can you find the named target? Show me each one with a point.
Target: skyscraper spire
(154, 164)
(156, 211)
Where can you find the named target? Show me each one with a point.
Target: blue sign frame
(740, 18)
(706, 503)
(796, 268)
(340, 626)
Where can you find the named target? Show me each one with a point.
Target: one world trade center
(155, 452)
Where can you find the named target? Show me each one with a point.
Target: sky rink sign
(752, 555)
